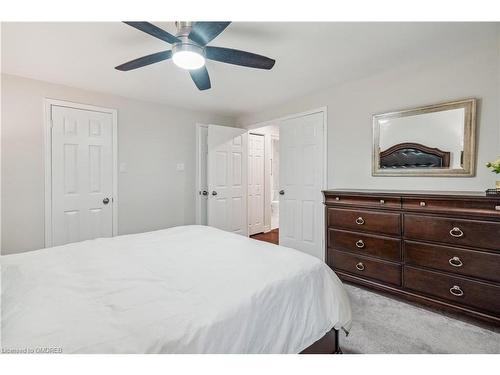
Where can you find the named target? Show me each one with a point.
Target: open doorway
(266, 182)
(221, 177)
(263, 183)
(294, 177)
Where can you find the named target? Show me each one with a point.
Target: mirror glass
(435, 140)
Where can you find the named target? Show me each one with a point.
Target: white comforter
(189, 289)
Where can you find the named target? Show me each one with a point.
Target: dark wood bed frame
(328, 344)
(425, 154)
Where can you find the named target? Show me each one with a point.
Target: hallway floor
(272, 236)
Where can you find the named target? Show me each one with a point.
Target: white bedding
(190, 289)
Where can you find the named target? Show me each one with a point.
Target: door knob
(105, 200)
(214, 193)
(282, 192)
(204, 192)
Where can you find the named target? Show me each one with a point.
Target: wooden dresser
(438, 249)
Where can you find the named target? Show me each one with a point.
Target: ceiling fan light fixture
(190, 49)
(188, 56)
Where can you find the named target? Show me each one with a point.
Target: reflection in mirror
(433, 140)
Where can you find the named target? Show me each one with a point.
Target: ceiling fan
(189, 50)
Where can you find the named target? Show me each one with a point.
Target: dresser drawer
(375, 201)
(453, 288)
(370, 268)
(459, 261)
(475, 233)
(365, 244)
(361, 220)
(468, 207)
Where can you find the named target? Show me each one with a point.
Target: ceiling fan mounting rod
(183, 28)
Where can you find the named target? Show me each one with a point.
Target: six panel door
(301, 180)
(227, 178)
(256, 179)
(82, 175)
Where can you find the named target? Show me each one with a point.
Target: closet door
(201, 174)
(256, 163)
(82, 175)
(227, 178)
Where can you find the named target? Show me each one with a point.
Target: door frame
(269, 185)
(47, 152)
(279, 120)
(199, 169)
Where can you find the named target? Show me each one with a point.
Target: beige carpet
(384, 325)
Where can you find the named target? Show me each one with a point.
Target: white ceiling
(309, 57)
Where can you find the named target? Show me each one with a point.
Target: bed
(414, 155)
(188, 289)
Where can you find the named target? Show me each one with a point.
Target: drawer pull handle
(456, 291)
(382, 201)
(455, 262)
(456, 232)
(360, 221)
(337, 198)
(360, 244)
(422, 204)
(360, 266)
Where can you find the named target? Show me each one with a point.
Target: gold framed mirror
(436, 140)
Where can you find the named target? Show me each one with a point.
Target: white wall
(152, 139)
(472, 71)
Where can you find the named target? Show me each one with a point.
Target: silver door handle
(203, 192)
(282, 192)
(105, 200)
(214, 193)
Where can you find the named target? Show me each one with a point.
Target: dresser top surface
(408, 193)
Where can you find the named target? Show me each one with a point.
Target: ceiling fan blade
(155, 31)
(201, 78)
(145, 60)
(237, 57)
(204, 32)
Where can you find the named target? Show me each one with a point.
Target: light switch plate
(180, 166)
(123, 167)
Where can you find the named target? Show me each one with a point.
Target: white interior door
(227, 178)
(301, 179)
(256, 178)
(202, 179)
(82, 174)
